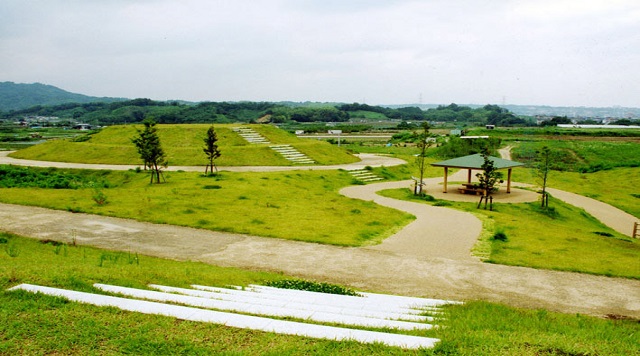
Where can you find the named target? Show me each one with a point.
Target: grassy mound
(183, 145)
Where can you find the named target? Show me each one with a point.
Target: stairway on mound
(287, 151)
(364, 175)
(293, 155)
(250, 135)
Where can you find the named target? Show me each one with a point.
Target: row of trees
(150, 149)
(135, 111)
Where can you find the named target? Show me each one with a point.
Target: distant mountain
(16, 96)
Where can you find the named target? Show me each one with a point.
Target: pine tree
(150, 150)
(211, 149)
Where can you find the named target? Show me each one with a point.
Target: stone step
(241, 306)
(278, 301)
(236, 320)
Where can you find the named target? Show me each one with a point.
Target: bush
(51, 178)
(499, 236)
(300, 284)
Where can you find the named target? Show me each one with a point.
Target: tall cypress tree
(211, 149)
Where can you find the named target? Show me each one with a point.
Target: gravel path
(408, 263)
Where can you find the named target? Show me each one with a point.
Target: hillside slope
(183, 145)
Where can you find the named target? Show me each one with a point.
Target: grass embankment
(298, 205)
(606, 171)
(36, 324)
(183, 145)
(562, 237)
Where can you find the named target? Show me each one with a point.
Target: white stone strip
(414, 302)
(382, 300)
(264, 310)
(236, 320)
(342, 301)
(299, 307)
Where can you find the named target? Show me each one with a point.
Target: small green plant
(499, 235)
(60, 247)
(548, 211)
(428, 197)
(12, 250)
(3, 240)
(99, 197)
(215, 186)
(441, 203)
(301, 284)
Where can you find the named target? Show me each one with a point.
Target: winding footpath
(429, 257)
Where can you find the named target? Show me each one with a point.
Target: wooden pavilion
(476, 161)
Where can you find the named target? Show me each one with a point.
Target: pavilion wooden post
(509, 181)
(469, 176)
(445, 179)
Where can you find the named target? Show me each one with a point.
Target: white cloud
(559, 52)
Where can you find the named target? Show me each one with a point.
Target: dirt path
(367, 268)
(408, 263)
(366, 159)
(611, 216)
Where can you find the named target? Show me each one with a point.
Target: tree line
(174, 112)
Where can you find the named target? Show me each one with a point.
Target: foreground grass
(183, 145)
(564, 238)
(36, 324)
(298, 205)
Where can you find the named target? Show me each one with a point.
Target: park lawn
(295, 205)
(408, 154)
(567, 239)
(37, 324)
(183, 146)
(619, 187)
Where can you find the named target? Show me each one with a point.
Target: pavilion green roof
(476, 161)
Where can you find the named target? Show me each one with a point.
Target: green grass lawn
(619, 187)
(36, 324)
(289, 205)
(183, 145)
(564, 238)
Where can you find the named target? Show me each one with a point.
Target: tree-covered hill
(136, 110)
(17, 96)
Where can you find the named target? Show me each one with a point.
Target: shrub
(300, 284)
(99, 197)
(499, 236)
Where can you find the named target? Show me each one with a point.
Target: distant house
(490, 127)
(82, 127)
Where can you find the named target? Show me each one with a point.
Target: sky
(530, 52)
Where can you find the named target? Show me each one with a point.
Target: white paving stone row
(364, 175)
(250, 135)
(291, 154)
(263, 310)
(236, 320)
(309, 310)
(355, 305)
(382, 300)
